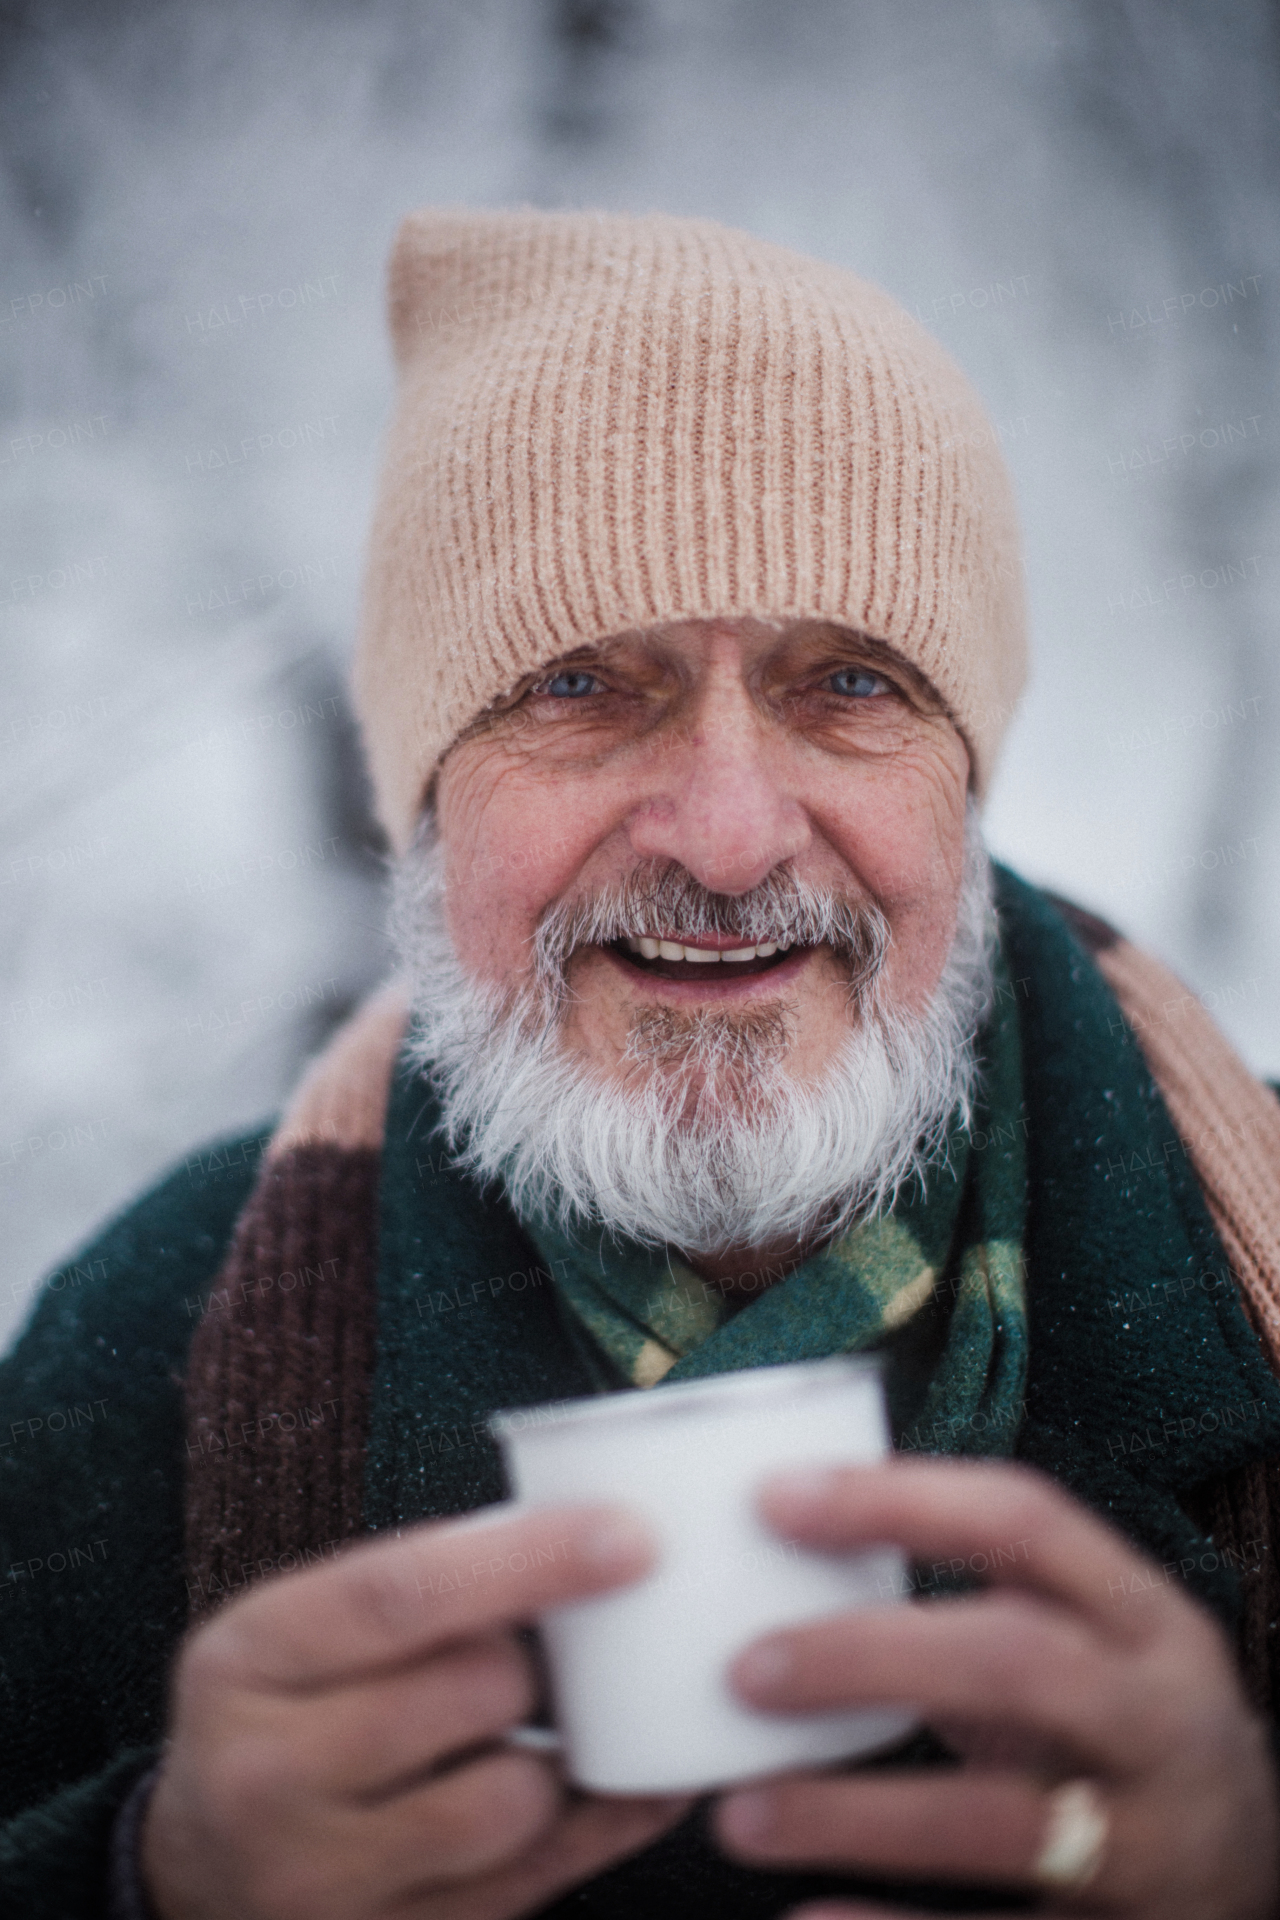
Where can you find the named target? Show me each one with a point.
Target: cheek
(510, 851)
(905, 841)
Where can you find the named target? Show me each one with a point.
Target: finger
(468, 1823)
(1002, 1658)
(299, 1854)
(587, 1839)
(1005, 1524)
(979, 1829)
(387, 1603)
(860, 1910)
(380, 1737)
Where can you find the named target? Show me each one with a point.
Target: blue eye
(572, 683)
(856, 683)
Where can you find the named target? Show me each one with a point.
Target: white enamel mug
(638, 1676)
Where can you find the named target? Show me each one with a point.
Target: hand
(1079, 1663)
(335, 1747)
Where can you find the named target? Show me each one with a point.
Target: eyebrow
(848, 640)
(878, 653)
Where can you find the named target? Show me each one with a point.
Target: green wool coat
(1145, 1381)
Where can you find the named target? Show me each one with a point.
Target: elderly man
(693, 623)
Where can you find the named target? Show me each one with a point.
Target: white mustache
(781, 908)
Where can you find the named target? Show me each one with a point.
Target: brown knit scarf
(278, 1381)
(278, 1377)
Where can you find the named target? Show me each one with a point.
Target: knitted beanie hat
(607, 422)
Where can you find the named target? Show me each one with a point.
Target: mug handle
(523, 1739)
(534, 1739)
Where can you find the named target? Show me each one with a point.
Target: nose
(718, 800)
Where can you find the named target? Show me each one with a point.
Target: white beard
(707, 1143)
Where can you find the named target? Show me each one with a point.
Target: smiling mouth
(667, 959)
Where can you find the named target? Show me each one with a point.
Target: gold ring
(1075, 1837)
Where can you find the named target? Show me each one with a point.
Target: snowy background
(1079, 196)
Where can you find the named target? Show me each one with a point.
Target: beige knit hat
(606, 422)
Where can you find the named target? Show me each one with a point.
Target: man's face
(724, 751)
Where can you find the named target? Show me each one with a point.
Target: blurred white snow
(194, 378)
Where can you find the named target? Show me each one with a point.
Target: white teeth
(651, 948)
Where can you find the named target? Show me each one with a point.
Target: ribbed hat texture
(608, 421)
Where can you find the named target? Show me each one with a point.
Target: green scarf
(936, 1286)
